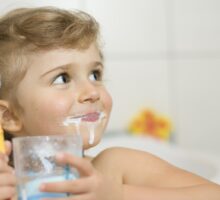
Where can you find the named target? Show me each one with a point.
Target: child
(51, 68)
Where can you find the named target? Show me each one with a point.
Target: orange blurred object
(148, 122)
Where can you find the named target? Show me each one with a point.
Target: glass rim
(47, 137)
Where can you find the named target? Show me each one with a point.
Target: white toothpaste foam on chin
(90, 125)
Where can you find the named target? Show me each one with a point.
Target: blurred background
(161, 55)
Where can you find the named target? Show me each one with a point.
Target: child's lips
(91, 117)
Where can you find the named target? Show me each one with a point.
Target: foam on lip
(91, 117)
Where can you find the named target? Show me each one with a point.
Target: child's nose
(88, 92)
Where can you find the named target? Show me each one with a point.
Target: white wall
(6, 5)
(163, 54)
(195, 45)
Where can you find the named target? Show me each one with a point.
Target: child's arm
(145, 176)
(197, 192)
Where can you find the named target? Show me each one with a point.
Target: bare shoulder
(125, 157)
(122, 156)
(142, 168)
(110, 159)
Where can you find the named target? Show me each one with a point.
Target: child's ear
(9, 121)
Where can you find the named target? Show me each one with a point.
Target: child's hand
(91, 185)
(7, 177)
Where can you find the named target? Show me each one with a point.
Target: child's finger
(83, 166)
(78, 186)
(4, 157)
(8, 147)
(74, 197)
(7, 192)
(7, 179)
(4, 167)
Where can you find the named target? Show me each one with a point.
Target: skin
(46, 100)
(7, 177)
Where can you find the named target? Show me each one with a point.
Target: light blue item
(30, 190)
(44, 195)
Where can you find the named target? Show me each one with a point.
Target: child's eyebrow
(66, 66)
(97, 63)
(61, 67)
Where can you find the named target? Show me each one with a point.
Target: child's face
(61, 83)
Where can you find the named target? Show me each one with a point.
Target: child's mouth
(91, 117)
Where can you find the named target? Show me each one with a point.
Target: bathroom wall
(163, 54)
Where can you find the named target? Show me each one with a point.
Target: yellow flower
(163, 130)
(150, 123)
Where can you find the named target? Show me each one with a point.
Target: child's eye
(96, 75)
(61, 79)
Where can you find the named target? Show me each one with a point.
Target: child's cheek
(52, 115)
(58, 108)
(108, 102)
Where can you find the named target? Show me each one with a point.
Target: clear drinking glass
(34, 160)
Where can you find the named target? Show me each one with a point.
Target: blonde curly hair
(25, 31)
